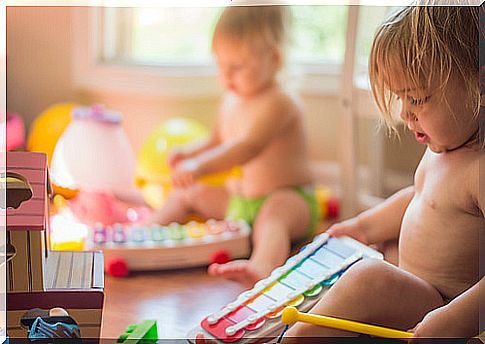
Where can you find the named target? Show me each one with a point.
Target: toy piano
(155, 247)
(255, 314)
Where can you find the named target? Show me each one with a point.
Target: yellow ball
(152, 159)
(152, 170)
(48, 127)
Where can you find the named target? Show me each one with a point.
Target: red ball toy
(220, 257)
(117, 267)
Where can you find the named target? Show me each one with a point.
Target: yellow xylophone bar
(291, 315)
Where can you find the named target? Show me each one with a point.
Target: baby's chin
(444, 149)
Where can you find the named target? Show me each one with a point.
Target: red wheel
(117, 267)
(220, 257)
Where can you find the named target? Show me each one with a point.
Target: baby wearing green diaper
(259, 127)
(246, 209)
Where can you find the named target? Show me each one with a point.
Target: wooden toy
(145, 332)
(255, 314)
(36, 276)
(155, 247)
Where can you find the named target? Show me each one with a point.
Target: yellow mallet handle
(291, 315)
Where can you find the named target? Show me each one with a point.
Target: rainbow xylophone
(158, 247)
(255, 314)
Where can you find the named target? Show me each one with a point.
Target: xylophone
(255, 314)
(155, 247)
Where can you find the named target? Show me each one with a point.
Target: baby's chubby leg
(205, 201)
(374, 292)
(284, 216)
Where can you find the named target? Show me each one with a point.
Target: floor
(178, 300)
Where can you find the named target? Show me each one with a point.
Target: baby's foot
(242, 271)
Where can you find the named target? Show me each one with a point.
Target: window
(166, 50)
(181, 36)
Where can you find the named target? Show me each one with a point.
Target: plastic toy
(36, 276)
(54, 324)
(138, 248)
(48, 127)
(145, 332)
(291, 315)
(15, 132)
(329, 203)
(152, 170)
(254, 315)
(92, 207)
(93, 155)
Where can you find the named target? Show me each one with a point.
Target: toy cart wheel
(117, 267)
(220, 257)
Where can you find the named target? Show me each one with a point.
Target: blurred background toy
(329, 203)
(46, 130)
(93, 154)
(14, 130)
(152, 170)
(94, 160)
(48, 127)
(143, 248)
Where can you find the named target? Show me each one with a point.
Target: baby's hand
(186, 173)
(438, 323)
(350, 228)
(175, 156)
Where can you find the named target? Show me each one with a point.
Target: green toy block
(145, 332)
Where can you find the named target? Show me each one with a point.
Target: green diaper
(241, 208)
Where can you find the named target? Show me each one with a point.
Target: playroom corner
(97, 99)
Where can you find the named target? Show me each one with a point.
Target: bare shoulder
(282, 102)
(465, 163)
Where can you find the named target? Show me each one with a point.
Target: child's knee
(367, 277)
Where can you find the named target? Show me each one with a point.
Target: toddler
(426, 57)
(260, 128)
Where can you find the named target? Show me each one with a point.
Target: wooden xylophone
(158, 247)
(300, 282)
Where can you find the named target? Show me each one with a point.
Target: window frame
(191, 81)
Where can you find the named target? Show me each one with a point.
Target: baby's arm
(378, 224)
(459, 318)
(192, 150)
(270, 120)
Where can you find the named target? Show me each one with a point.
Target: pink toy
(103, 207)
(15, 132)
(93, 154)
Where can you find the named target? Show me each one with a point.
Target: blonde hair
(428, 44)
(253, 24)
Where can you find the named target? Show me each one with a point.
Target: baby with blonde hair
(259, 127)
(424, 59)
